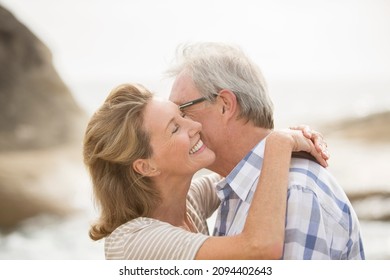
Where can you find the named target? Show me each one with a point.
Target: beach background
(327, 64)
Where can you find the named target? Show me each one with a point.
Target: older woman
(142, 153)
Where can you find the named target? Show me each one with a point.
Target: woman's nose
(194, 127)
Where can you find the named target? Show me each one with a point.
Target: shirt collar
(244, 175)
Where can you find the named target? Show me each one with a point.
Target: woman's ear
(145, 168)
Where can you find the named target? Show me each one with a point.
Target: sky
(292, 39)
(135, 40)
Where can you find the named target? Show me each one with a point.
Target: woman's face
(175, 139)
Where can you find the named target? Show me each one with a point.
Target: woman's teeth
(196, 147)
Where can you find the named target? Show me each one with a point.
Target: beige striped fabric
(150, 239)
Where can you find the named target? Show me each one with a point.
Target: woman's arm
(263, 233)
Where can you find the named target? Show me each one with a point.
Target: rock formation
(39, 119)
(374, 128)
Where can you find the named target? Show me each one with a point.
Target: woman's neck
(173, 206)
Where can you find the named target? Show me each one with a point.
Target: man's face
(183, 91)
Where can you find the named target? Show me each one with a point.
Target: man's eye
(183, 115)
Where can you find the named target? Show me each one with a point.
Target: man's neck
(239, 143)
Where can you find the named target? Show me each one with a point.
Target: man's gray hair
(217, 66)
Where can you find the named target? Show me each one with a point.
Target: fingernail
(326, 154)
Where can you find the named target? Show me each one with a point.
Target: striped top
(150, 239)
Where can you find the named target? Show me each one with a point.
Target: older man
(220, 87)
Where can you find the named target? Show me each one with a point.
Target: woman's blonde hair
(113, 140)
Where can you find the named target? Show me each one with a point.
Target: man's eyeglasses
(193, 102)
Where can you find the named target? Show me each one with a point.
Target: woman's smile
(197, 147)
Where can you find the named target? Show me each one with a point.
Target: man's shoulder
(311, 178)
(307, 166)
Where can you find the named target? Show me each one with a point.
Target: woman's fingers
(317, 138)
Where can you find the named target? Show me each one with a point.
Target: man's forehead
(176, 96)
(183, 89)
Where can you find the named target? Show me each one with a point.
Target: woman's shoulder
(125, 235)
(204, 184)
(206, 178)
(135, 225)
(147, 238)
(202, 199)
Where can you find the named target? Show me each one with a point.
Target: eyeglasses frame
(193, 102)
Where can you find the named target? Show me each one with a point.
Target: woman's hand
(317, 139)
(304, 140)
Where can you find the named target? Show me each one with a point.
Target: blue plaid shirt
(320, 221)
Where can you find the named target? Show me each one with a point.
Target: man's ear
(145, 168)
(228, 103)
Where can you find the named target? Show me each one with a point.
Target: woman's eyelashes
(176, 127)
